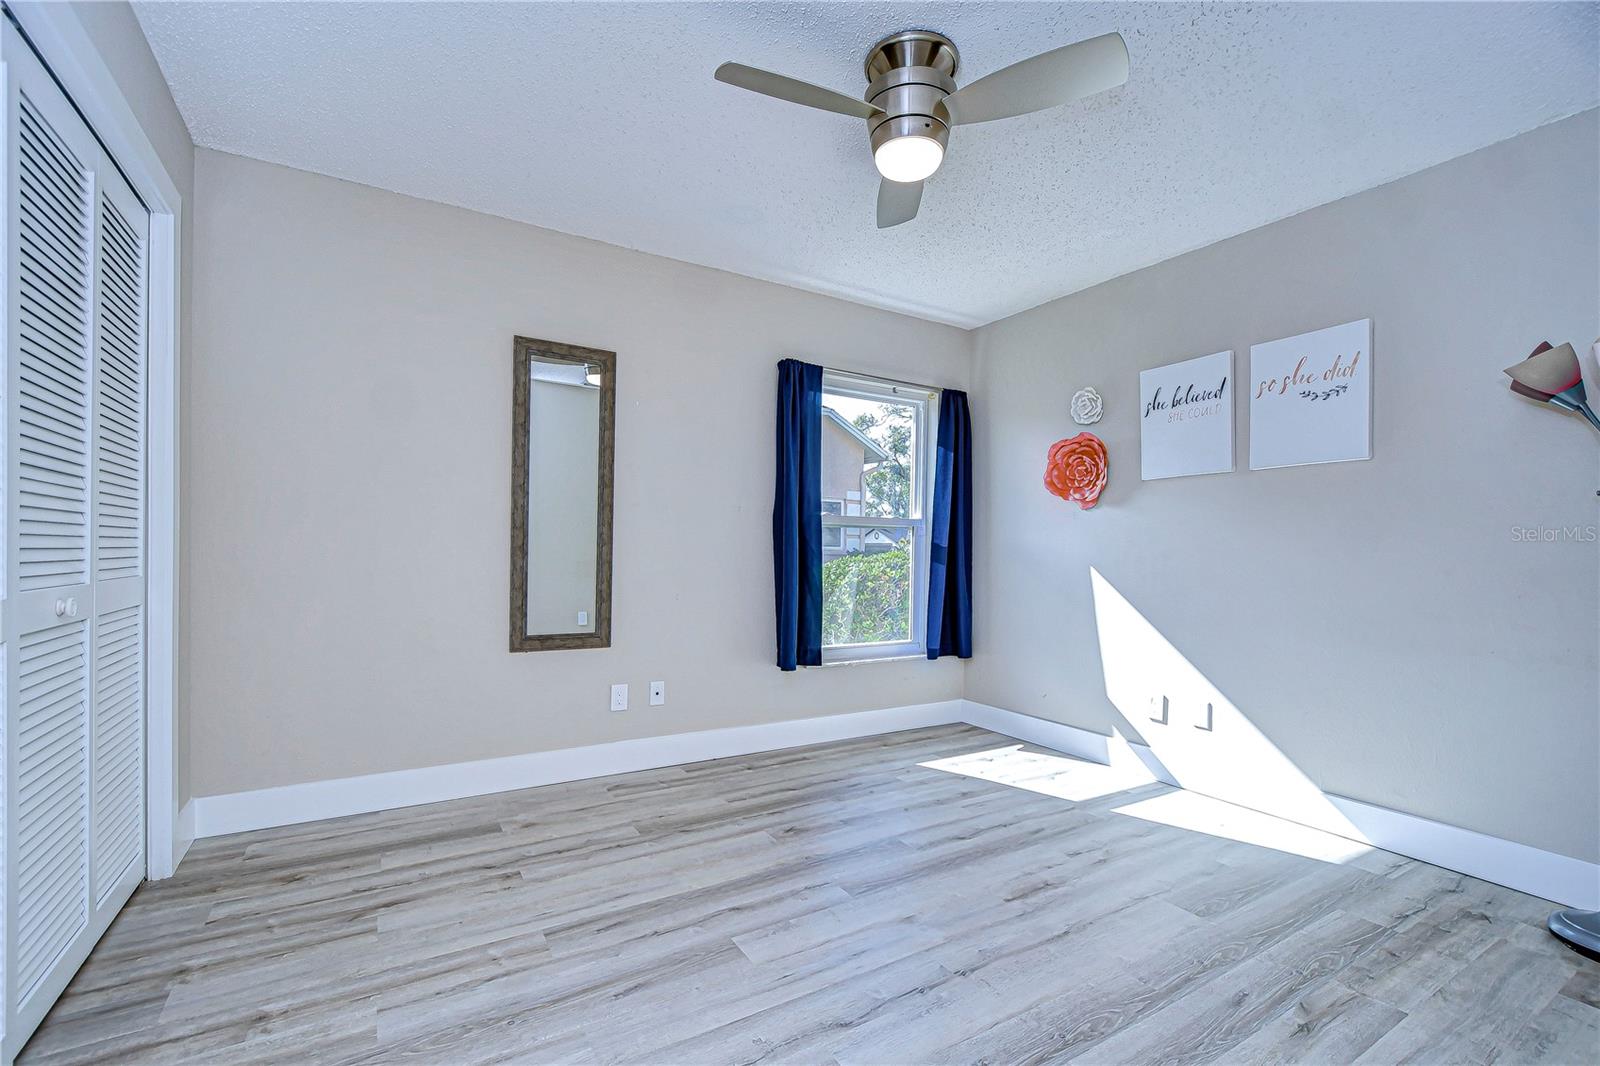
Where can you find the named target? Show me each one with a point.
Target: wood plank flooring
(838, 904)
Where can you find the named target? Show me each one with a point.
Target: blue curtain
(797, 516)
(950, 551)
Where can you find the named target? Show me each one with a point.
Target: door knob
(61, 608)
(67, 608)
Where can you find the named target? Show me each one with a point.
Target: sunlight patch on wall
(1206, 744)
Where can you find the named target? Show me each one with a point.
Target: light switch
(583, 618)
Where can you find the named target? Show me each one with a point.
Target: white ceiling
(603, 120)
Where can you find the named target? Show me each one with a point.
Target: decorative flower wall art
(1076, 469)
(1086, 406)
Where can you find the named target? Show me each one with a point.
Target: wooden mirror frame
(523, 351)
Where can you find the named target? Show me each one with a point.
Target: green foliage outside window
(888, 485)
(866, 597)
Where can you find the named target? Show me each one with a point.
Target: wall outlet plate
(619, 697)
(658, 693)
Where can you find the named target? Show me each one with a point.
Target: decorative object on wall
(1186, 418)
(1311, 397)
(1076, 469)
(563, 418)
(1086, 406)
(1552, 375)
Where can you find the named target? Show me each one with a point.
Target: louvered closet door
(75, 300)
(117, 509)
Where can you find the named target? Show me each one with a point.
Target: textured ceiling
(603, 120)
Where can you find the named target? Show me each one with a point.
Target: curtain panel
(797, 516)
(950, 533)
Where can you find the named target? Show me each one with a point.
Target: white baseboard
(1562, 878)
(315, 800)
(1569, 881)
(1067, 739)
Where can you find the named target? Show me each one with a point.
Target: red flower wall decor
(1076, 469)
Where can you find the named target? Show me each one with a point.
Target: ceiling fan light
(910, 158)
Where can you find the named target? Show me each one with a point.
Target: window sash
(923, 404)
(868, 522)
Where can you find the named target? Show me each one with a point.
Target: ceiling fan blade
(898, 202)
(794, 90)
(1049, 79)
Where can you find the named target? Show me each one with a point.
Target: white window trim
(925, 402)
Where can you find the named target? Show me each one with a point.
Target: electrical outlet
(658, 693)
(619, 697)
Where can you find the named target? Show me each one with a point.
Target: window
(832, 536)
(876, 473)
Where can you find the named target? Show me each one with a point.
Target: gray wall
(349, 483)
(1378, 622)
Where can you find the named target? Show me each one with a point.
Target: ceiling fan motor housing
(909, 75)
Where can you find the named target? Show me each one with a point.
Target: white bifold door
(74, 574)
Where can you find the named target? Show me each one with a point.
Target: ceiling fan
(912, 100)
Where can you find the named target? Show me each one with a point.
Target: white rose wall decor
(1086, 406)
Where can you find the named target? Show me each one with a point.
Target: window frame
(924, 403)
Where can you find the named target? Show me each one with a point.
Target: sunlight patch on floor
(1202, 814)
(1045, 772)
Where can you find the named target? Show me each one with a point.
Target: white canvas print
(1186, 418)
(1311, 397)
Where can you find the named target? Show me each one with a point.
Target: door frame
(69, 53)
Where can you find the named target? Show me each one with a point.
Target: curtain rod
(884, 380)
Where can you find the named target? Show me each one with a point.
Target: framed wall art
(1186, 418)
(1311, 397)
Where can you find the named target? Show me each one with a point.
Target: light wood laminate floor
(937, 895)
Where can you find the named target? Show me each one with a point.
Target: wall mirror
(562, 414)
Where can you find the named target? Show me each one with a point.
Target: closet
(75, 313)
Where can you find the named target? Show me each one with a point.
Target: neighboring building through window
(876, 456)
